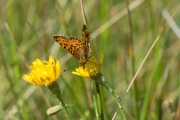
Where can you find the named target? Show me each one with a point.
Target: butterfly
(79, 49)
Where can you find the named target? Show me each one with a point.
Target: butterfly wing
(79, 49)
(85, 41)
(84, 54)
(71, 44)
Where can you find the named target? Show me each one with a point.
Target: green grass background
(26, 33)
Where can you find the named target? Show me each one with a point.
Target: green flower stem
(82, 116)
(54, 88)
(64, 107)
(101, 80)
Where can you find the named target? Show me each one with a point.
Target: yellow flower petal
(43, 72)
(51, 59)
(57, 69)
(81, 72)
(91, 67)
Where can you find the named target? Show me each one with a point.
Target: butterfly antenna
(68, 69)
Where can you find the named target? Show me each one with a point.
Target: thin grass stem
(131, 55)
(82, 9)
(95, 101)
(99, 101)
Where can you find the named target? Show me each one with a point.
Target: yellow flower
(81, 72)
(43, 72)
(90, 68)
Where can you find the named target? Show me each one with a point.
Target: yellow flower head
(90, 68)
(43, 72)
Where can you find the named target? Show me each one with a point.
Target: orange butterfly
(79, 49)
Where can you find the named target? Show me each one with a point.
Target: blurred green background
(26, 33)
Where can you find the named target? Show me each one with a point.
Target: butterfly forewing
(72, 44)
